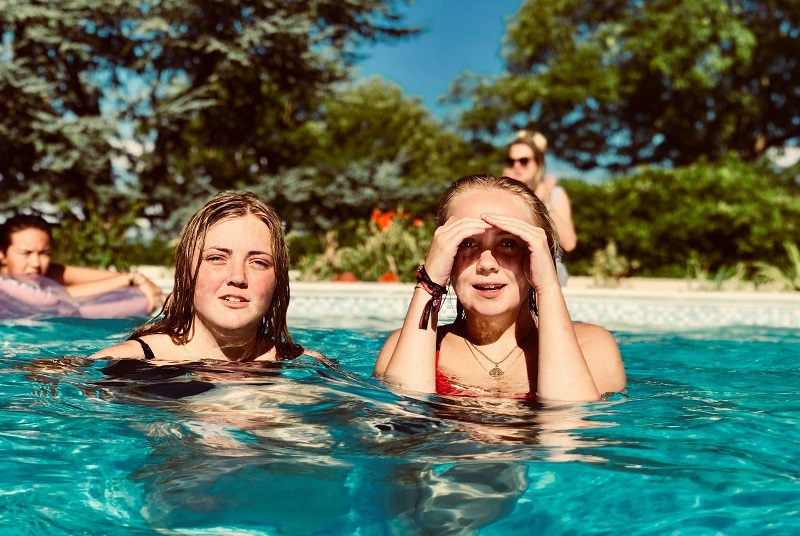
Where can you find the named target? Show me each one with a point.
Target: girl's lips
(234, 301)
(489, 290)
(489, 286)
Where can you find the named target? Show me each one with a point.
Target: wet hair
(178, 311)
(538, 144)
(539, 213)
(22, 222)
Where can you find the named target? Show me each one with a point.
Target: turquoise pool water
(705, 441)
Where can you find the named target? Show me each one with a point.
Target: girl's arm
(408, 358)
(563, 374)
(561, 214)
(80, 281)
(603, 357)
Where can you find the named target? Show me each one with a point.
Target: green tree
(621, 83)
(54, 137)
(230, 85)
(205, 94)
(367, 146)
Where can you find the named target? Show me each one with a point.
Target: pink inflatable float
(38, 296)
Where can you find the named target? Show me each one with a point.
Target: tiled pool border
(610, 308)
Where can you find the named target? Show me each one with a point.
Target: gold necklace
(496, 371)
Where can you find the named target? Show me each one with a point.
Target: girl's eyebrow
(223, 250)
(229, 251)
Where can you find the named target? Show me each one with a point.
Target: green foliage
(374, 122)
(310, 200)
(205, 95)
(233, 84)
(788, 279)
(52, 130)
(388, 247)
(369, 146)
(718, 214)
(152, 252)
(725, 278)
(258, 96)
(94, 240)
(623, 83)
(609, 267)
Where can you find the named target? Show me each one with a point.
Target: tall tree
(230, 83)
(620, 83)
(54, 137)
(368, 145)
(201, 94)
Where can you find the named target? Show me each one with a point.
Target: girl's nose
(237, 277)
(487, 263)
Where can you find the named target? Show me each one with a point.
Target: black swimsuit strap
(148, 352)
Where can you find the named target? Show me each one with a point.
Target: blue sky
(459, 36)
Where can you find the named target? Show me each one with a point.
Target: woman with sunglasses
(526, 164)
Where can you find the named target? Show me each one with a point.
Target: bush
(387, 247)
(107, 241)
(716, 215)
(789, 279)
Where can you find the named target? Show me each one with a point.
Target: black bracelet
(437, 293)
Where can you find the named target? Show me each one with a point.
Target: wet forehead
(244, 233)
(473, 203)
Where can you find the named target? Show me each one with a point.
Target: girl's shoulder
(144, 347)
(602, 355)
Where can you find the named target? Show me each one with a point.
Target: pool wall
(648, 303)
(609, 307)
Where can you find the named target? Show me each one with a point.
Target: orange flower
(382, 219)
(385, 221)
(388, 277)
(416, 222)
(346, 277)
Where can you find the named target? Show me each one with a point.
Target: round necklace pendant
(496, 372)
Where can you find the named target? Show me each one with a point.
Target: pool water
(704, 441)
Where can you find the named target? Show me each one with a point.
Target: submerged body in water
(300, 447)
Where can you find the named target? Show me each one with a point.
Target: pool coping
(636, 303)
(608, 307)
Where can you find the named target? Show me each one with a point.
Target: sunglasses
(524, 161)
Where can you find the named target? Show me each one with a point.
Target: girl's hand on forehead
(540, 266)
(506, 223)
(445, 244)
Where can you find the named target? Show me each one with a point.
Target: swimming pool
(704, 441)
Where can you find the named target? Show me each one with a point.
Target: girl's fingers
(453, 233)
(524, 230)
(539, 266)
(445, 244)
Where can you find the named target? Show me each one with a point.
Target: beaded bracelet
(436, 291)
